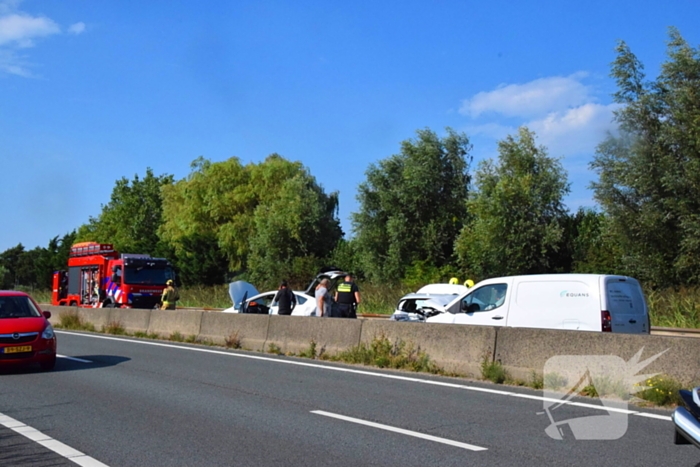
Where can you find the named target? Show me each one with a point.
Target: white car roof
(443, 289)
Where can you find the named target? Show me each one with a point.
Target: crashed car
(687, 420)
(426, 302)
(247, 299)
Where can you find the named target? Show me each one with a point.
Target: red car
(26, 336)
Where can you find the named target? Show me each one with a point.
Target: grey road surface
(134, 403)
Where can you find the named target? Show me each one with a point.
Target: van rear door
(626, 304)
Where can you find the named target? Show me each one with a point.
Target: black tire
(109, 304)
(48, 366)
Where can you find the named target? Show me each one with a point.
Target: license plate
(17, 349)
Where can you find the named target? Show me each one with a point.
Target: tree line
(424, 215)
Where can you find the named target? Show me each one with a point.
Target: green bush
(71, 320)
(661, 390)
(114, 327)
(311, 352)
(493, 371)
(177, 337)
(381, 352)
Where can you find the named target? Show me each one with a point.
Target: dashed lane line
(402, 431)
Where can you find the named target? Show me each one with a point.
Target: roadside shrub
(493, 371)
(177, 337)
(73, 321)
(145, 335)
(310, 352)
(661, 390)
(114, 327)
(554, 381)
(381, 352)
(274, 348)
(536, 380)
(232, 341)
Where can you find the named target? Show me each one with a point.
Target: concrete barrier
(167, 322)
(455, 348)
(522, 351)
(58, 311)
(250, 330)
(295, 333)
(131, 319)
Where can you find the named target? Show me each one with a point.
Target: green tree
(261, 217)
(517, 212)
(593, 249)
(649, 174)
(412, 205)
(131, 219)
(11, 261)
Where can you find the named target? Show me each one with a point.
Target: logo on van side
(566, 293)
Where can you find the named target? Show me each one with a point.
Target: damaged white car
(247, 299)
(426, 302)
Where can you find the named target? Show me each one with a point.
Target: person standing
(324, 302)
(170, 296)
(285, 299)
(348, 297)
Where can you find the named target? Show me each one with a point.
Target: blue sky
(93, 91)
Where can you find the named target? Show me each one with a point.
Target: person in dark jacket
(285, 299)
(347, 295)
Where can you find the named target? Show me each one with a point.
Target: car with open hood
(247, 299)
(420, 305)
(26, 336)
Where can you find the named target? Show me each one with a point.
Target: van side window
(484, 298)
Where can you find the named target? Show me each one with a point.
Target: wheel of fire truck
(109, 303)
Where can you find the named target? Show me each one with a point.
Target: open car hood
(438, 302)
(239, 291)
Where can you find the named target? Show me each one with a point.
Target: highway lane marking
(75, 359)
(382, 375)
(48, 442)
(402, 431)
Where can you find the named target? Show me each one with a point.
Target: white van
(585, 302)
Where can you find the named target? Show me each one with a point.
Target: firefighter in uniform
(347, 295)
(170, 296)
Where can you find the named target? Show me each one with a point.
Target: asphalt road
(141, 403)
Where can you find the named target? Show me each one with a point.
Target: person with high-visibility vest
(347, 295)
(170, 296)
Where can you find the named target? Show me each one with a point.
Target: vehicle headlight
(48, 332)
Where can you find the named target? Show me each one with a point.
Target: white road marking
(378, 375)
(74, 359)
(653, 415)
(415, 434)
(48, 442)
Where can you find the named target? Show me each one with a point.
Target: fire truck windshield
(139, 275)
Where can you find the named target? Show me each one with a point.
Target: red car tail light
(606, 321)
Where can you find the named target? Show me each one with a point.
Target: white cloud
(574, 131)
(21, 30)
(532, 99)
(77, 28)
(11, 64)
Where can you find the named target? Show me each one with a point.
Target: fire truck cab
(99, 276)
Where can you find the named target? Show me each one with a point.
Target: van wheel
(48, 366)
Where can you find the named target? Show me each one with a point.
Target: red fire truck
(99, 276)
